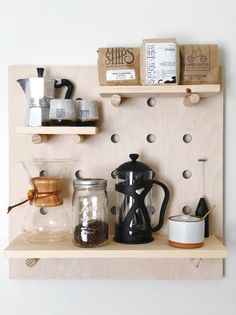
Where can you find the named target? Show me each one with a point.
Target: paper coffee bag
(119, 66)
(159, 61)
(199, 64)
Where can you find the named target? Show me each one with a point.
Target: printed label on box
(118, 75)
(197, 58)
(160, 63)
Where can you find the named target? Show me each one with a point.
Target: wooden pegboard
(169, 120)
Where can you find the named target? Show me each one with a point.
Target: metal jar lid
(89, 182)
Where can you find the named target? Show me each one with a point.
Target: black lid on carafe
(137, 168)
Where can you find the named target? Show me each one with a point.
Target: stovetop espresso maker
(39, 91)
(134, 182)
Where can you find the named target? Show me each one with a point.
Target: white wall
(69, 32)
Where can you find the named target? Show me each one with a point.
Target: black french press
(134, 181)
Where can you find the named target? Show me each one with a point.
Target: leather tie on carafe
(34, 194)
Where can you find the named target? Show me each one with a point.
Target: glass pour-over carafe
(45, 219)
(134, 181)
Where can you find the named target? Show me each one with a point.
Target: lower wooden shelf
(62, 130)
(42, 134)
(159, 248)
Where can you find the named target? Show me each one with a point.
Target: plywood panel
(169, 156)
(118, 268)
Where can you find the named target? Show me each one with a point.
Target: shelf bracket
(191, 98)
(36, 139)
(115, 100)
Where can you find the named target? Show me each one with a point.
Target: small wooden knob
(36, 139)
(191, 99)
(78, 139)
(115, 100)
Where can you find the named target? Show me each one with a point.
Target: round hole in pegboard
(43, 210)
(151, 138)
(115, 138)
(114, 210)
(187, 138)
(187, 174)
(187, 210)
(43, 173)
(79, 174)
(151, 102)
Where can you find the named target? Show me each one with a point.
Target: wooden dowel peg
(115, 100)
(78, 139)
(191, 99)
(36, 139)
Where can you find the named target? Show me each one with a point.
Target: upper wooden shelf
(159, 248)
(205, 90)
(57, 130)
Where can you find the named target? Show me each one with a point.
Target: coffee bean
(91, 233)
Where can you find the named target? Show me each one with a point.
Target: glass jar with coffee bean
(90, 212)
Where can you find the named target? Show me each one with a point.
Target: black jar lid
(132, 166)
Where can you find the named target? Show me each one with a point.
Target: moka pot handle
(163, 206)
(64, 82)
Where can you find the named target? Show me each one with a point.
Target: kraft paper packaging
(199, 64)
(159, 61)
(119, 66)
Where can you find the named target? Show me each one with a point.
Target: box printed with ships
(118, 66)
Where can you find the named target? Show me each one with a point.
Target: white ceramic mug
(186, 231)
(62, 109)
(86, 110)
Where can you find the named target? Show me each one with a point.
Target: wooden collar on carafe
(34, 194)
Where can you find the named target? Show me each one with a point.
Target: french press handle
(64, 82)
(163, 206)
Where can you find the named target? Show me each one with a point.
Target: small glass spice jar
(90, 212)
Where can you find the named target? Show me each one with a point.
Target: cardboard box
(159, 61)
(199, 64)
(119, 66)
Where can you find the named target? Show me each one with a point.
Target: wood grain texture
(169, 120)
